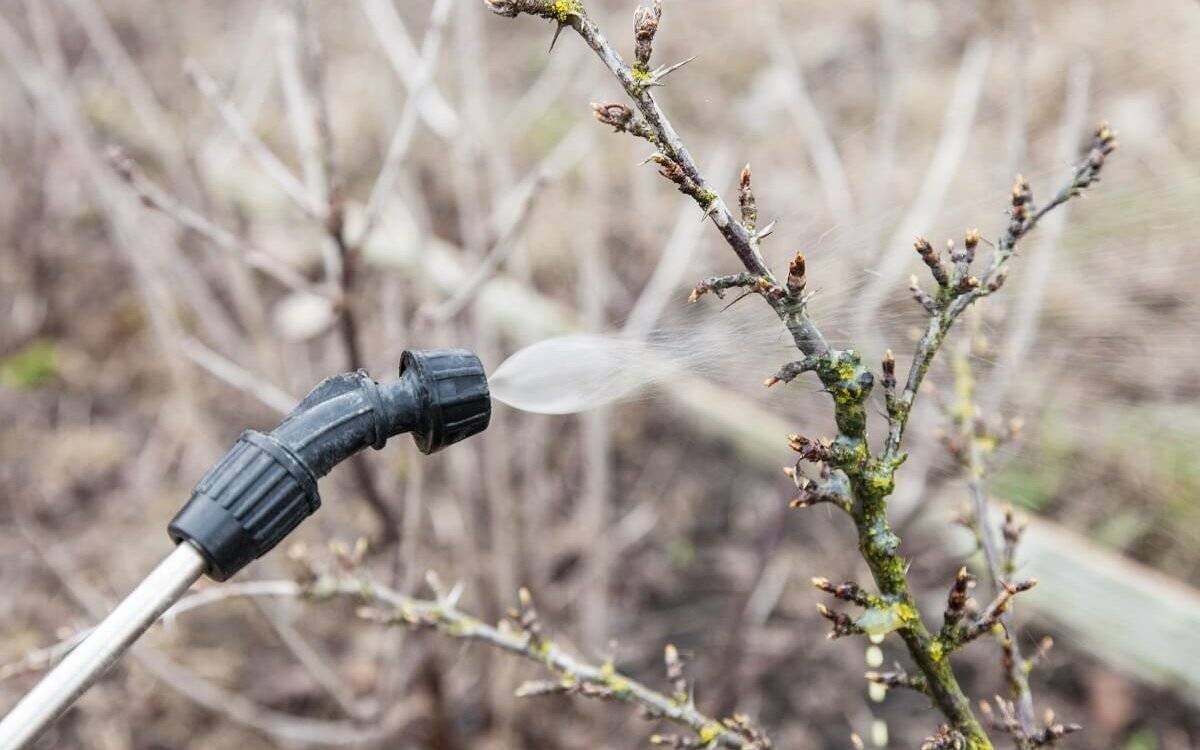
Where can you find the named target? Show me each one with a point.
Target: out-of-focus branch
(232, 374)
(972, 443)
(156, 197)
(525, 637)
(508, 221)
(252, 144)
(385, 182)
(809, 125)
(939, 175)
(407, 62)
(237, 708)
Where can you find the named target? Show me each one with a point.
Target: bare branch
(253, 145)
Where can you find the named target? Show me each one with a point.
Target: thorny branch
(522, 634)
(852, 476)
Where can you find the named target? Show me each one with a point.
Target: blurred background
(184, 192)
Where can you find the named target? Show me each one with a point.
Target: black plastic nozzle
(267, 483)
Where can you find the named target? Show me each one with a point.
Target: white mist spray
(573, 373)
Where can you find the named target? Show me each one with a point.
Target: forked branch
(851, 474)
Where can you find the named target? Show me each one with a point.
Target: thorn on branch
(656, 76)
(645, 25)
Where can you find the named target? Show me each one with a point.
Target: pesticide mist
(574, 373)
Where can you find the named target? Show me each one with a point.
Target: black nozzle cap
(453, 390)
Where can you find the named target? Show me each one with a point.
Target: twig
(300, 63)
(674, 156)
(943, 165)
(252, 144)
(301, 100)
(145, 103)
(385, 182)
(407, 63)
(1038, 275)
(509, 220)
(236, 376)
(809, 125)
(156, 197)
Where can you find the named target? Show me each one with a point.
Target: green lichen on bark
(872, 480)
(565, 9)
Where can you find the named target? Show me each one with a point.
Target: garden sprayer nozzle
(267, 483)
(262, 489)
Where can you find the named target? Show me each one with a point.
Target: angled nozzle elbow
(267, 483)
